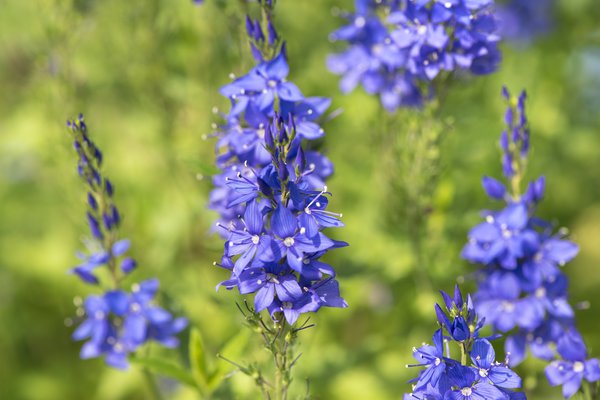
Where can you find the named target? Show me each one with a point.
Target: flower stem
(280, 348)
(463, 353)
(152, 385)
(589, 391)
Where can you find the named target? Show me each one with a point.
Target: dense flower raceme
(397, 48)
(255, 98)
(522, 290)
(477, 375)
(275, 253)
(522, 21)
(117, 322)
(271, 194)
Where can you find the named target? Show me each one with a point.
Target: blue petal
(289, 92)
(278, 69)
(283, 222)
(118, 301)
(504, 377)
(288, 289)
(494, 188)
(120, 247)
(264, 297)
(254, 218)
(483, 354)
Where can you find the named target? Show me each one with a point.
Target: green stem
(463, 353)
(280, 353)
(152, 385)
(588, 390)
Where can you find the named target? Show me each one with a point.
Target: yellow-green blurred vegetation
(146, 75)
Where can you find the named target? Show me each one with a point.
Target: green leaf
(198, 358)
(166, 368)
(233, 349)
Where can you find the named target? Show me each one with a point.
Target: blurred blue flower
(397, 48)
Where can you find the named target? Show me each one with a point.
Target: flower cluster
(255, 98)
(272, 209)
(477, 375)
(398, 47)
(276, 253)
(117, 322)
(524, 20)
(522, 289)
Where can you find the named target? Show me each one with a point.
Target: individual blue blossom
(443, 377)
(574, 366)
(398, 48)
(468, 385)
(117, 322)
(522, 290)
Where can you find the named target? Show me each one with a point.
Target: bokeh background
(146, 75)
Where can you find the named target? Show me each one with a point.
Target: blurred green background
(146, 75)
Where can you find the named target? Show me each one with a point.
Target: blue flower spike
(522, 289)
(443, 377)
(118, 322)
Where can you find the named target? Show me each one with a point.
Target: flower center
(540, 292)
(483, 372)
(437, 361)
(578, 366)
(135, 307)
(466, 391)
(288, 242)
(272, 83)
(508, 306)
(255, 239)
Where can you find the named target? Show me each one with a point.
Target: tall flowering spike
(477, 375)
(245, 137)
(398, 48)
(118, 321)
(271, 193)
(522, 290)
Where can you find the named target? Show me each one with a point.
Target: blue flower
(522, 21)
(446, 378)
(574, 367)
(117, 322)
(522, 289)
(396, 49)
(467, 386)
(483, 357)
(264, 82)
(432, 358)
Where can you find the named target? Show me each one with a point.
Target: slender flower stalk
(406, 52)
(522, 289)
(477, 375)
(117, 322)
(272, 201)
